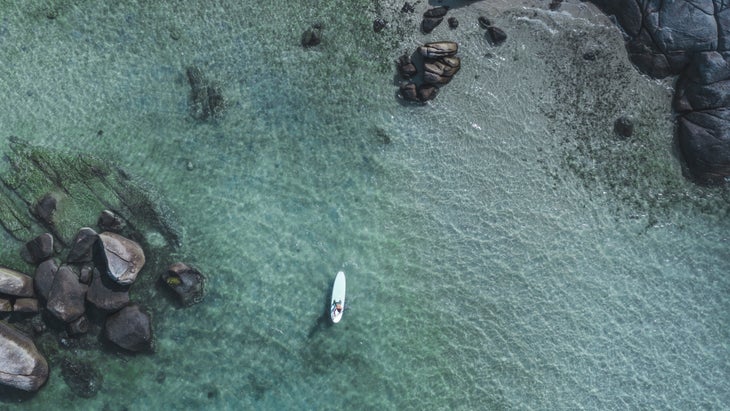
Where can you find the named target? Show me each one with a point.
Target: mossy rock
(81, 186)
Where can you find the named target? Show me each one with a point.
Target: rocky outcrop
(690, 38)
(21, 365)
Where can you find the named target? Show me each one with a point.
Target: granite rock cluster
(689, 38)
(92, 282)
(438, 64)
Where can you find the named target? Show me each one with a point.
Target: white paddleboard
(337, 304)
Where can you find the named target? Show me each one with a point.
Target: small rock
(453, 22)
(379, 25)
(106, 294)
(15, 283)
(590, 55)
(484, 22)
(623, 127)
(45, 207)
(187, 283)
(6, 306)
(110, 221)
(67, 296)
(78, 326)
(39, 248)
(407, 8)
(130, 328)
(43, 279)
(311, 37)
(86, 273)
(25, 305)
(430, 23)
(427, 92)
(82, 246)
(21, 365)
(121, 257)
(496, 35)
(81, 377)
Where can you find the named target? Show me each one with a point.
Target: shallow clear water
(503, 251)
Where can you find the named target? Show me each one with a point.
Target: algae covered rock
(46, 190)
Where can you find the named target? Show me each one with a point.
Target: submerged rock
(111, 221)
(21, 365)
(496, 35)
(206, 99)
(81, 377)
(186, 282)
(130, 328)
(67, 190)
(121, 257)
(312, 36)
(623, 127)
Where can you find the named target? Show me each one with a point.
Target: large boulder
(15, 283)
(21, 365)
(121, 257)
(130, 328)
(66, 300)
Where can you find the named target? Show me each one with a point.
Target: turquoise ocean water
(504, 250)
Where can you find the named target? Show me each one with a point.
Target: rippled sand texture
(504, 250)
